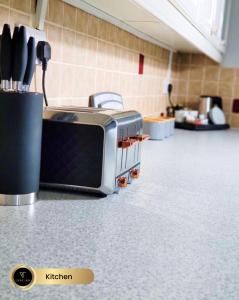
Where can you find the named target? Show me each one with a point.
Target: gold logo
(23, 277)
(22, 274)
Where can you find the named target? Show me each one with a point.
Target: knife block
(20, 147)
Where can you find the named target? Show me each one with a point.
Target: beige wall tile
(23, 5)
(182, 88)
(236, 91)
(183, 72)
(227, 75)
(181, 100)
(196, 73)
(185, 58)
(192, 102)
(5, 2)
(212, 73)
(198, 59)
(81, 46)
(235, 120)
(210, 62)
(103, 30)
(91, 52)
(81, 21)
(100, 81)
(210, 88)
(53, 79)
(227, 105)
(33, 6)
(69, 20)
(55, 11)
(225, 90)
(54, 36)
(4, 16)
(19, 18)
(93, 24)
(68, 74)
(195, 87)
(69, 50)
(236, 76)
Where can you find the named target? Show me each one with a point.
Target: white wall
(231, 57)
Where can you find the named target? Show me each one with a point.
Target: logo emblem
(22, 276)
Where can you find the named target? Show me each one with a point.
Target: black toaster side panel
(72, 154)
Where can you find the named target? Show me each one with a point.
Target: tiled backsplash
(90, 55)
(199, 75)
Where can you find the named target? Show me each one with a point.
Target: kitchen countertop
(173, 234)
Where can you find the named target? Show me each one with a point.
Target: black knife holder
(20, 147)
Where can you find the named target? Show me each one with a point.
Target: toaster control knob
(122, 181)
(134, 173)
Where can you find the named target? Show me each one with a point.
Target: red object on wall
(141, 64)
(235, 107)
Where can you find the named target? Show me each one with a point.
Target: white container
(159, 128)
(172, 126)
(167, 128)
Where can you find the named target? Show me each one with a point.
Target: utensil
(31, 63)
(205, 104)
(6, 59)
(217, 116)
(20, 59)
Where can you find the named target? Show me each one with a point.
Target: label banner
(64, 276)
(25, 277)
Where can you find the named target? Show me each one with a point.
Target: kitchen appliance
(106, 100)
(217, 116)
(207, 102)
(90, 149)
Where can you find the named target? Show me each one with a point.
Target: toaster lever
(141, 137)
(126, 143)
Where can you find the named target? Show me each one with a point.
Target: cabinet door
(187, 7)
(218, 18)
(206, 15)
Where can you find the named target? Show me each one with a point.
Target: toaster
(90, 149)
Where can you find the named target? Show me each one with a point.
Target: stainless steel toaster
(90, 149)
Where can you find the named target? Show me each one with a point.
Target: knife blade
(31, 63)
(0, 61)
(6, 59)
(20, 59)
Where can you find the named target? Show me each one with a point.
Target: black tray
(189, 126)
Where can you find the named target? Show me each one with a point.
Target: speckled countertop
(173, 234)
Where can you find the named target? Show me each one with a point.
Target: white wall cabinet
(179, 25)
(207, 16)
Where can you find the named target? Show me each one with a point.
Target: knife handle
(20, 56)
(14, 44)
(31, 61)
(6, 52)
